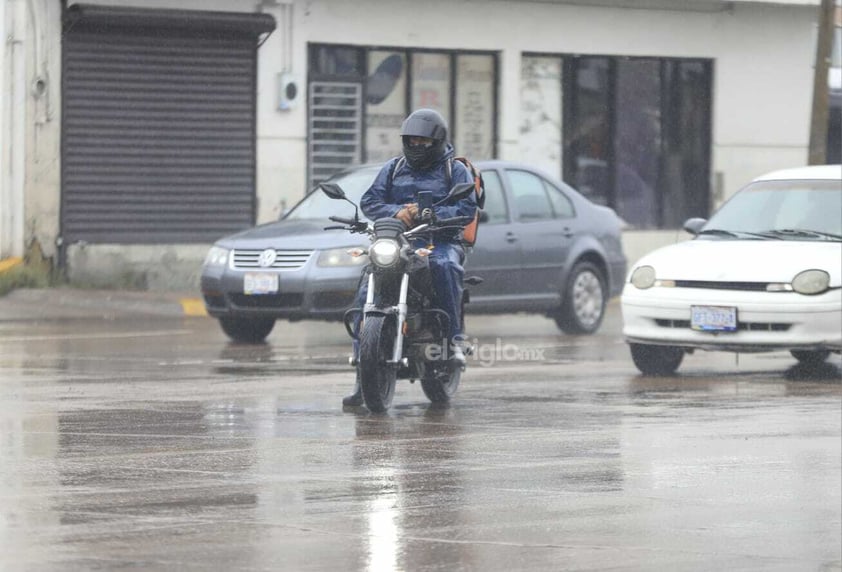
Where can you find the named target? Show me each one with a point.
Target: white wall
(762, 66)
(762, 52)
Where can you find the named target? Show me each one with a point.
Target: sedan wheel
(247, 330)
(810, 357)
(583, 300)
(656, 360)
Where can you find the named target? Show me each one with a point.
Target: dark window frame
(570, 107)
(408, 51)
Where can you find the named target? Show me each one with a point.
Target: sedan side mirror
(694, 225)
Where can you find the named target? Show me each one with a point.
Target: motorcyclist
(428, 160)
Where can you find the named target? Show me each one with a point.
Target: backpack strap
(396, 166)
(449, 170)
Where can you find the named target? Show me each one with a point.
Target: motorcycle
(401, 335)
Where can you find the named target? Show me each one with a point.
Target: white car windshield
(318, 205)
(797, 210)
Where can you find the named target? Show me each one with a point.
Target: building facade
(133, 133)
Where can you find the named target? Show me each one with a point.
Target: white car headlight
(341, 257)
(643, 277)
(217, 256)
(811, 282)
(384, 252)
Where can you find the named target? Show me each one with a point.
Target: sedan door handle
(567, 232)
(511, 237)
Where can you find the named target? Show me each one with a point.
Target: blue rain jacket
(385, 200)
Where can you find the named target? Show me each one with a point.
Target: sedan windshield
(788, 210)
(318, 205)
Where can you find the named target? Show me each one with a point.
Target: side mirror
(457, 193)
(333, 191)
(694, 225)
(483, 216)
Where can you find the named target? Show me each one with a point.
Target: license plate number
(713, 318)
(260, 283)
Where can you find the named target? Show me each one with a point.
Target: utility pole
(818, 122)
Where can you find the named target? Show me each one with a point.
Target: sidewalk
(63, 303)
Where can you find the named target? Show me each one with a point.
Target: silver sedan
(542, 248)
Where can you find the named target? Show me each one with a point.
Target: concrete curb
(71, 303)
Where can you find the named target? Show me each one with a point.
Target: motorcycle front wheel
(440, 383)
(377, 378)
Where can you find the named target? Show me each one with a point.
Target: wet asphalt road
(138, 441)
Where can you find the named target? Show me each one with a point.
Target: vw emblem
(267, 258)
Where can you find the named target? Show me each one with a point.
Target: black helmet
(424, 123)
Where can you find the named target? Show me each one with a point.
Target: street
(143, 441)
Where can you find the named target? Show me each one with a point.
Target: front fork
(400, 310)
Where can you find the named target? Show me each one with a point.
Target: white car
(763, 274)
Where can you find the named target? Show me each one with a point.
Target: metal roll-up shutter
(158, 138)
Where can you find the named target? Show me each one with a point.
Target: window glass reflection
(495, 202)
(530, 197)
(385, 104)
(588, 139)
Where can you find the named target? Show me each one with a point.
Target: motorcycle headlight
(811, 282)
(384, 252)
(342, 257)
(217, 256)
(643, 277)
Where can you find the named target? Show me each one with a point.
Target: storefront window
(358, 98)
(636, 134)
(431, 82)
(385, 107)
(587, 138)
(637, 141)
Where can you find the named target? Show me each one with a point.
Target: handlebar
(348, 221)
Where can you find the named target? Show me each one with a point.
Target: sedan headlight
(342, 257)
(384, 252)
(811, 282)
(643, 277)
(217, 256)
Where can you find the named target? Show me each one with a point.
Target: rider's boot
(356, 398)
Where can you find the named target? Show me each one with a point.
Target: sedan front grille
(710, 285)
(284, 259)
(751, 326)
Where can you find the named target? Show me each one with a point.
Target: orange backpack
(469, 232)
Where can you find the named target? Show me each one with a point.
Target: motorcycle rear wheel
(440, 384)
(377, 378)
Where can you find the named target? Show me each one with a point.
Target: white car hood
(744, 260)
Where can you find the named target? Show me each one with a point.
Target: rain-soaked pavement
(149, 442)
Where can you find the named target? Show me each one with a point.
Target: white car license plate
(713, 318)
(260, 283)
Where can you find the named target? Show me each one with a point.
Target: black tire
(247, 330)
(656, 360)
(441, 383)
(583, 300)
(810, 357)
(377, 378)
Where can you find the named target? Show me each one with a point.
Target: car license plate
(260, 283)
(713, 318)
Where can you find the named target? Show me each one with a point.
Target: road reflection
(408, 506)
